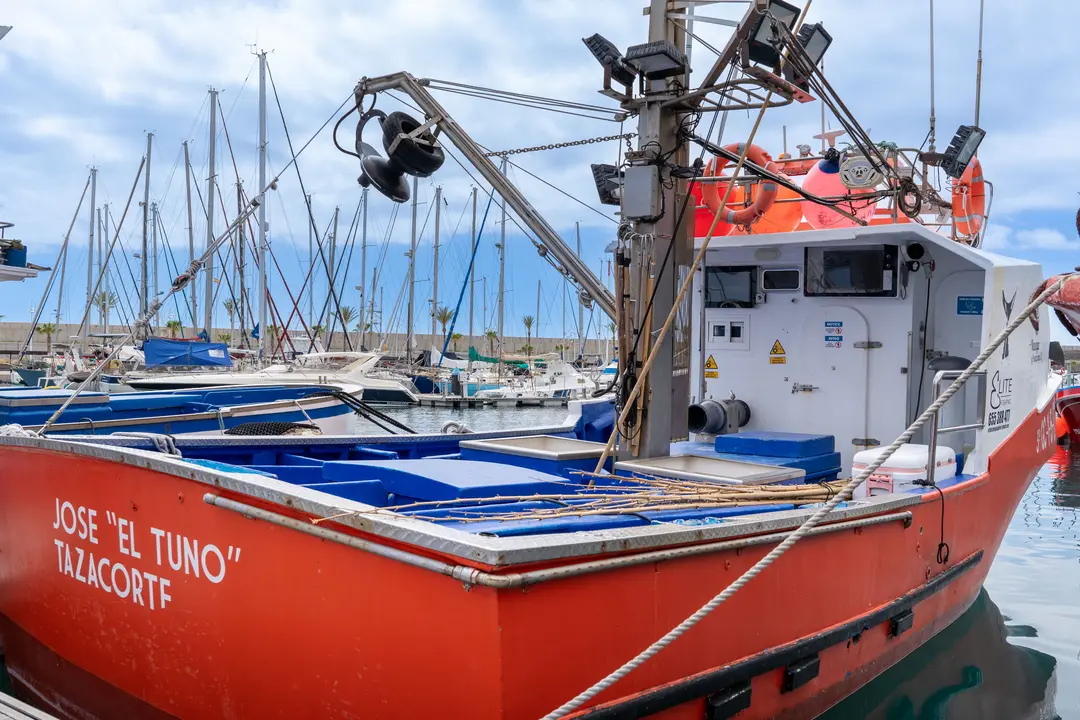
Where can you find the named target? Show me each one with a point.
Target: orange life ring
(764, 200)
(969, 201)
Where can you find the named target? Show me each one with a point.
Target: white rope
(162, 443)
(14, 430)
(813, 520)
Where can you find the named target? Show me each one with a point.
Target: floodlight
(960, 151)
(608, 183)
(657, 60)
(608, 55)
(761, 48)
(815, 40)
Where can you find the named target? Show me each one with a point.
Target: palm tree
(105, 301)
(317, 331)
(347, 315)
(444, 315)
(230, 310)
(527, 349)
(224, 337)
(271, 339)
(48, 330)
(527, 321)
(491, 336)
(454, 339)
(175, 327)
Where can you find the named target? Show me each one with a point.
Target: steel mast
(208, 297)
(262, 210)
(90, 257)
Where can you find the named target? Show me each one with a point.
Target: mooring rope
(814, 519)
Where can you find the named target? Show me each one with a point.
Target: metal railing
(941, 376)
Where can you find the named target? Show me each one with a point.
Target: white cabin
(834, 331)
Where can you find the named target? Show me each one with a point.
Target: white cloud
(1001, 238)
(1045, 239)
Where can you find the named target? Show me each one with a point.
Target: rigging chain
(572, 143)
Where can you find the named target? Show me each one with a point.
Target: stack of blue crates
(816, 454)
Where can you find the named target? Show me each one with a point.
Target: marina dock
(12, 709)
(457, 402)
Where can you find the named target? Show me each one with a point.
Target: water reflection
(1017, 662)
(969, 670)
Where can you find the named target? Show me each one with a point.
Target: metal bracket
(800, 387)
(415, 135)
(867, 345)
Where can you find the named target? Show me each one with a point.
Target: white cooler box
(901, 471)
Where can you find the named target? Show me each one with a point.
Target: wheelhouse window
(730, 286)
(868, 270)
(780, 279)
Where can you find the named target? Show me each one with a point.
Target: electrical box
(641, 192)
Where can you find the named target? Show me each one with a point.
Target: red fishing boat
(518, 575)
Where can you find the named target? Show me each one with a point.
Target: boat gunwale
(311, 402)
(488, 551)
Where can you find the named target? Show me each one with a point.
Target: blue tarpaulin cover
(161, 351)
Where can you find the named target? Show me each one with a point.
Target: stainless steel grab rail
(940, 377)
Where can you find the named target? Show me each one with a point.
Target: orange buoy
(755, 210)
(780, 218)
(969, 201)
(1061, 426)
(824, 180)
(703, 217)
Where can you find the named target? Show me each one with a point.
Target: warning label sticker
(778, 360)
(711, 375)
(710, 364)
(777, 349)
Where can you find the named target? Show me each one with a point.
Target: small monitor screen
(862, 270)
(730, 286)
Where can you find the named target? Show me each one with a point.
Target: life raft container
(969, 201)
(764, 200)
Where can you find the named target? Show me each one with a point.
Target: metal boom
(573, 266)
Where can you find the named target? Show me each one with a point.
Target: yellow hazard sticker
(777, 349)
(711, 374)
(710, 364)
(778, 360)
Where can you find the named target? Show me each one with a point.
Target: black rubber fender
(415, 158)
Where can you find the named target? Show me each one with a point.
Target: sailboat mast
(502, 269)
(472, 268)
(144, 286)
(536, 324)
(580, 305)
(363, 270)
(154, 252)
(190, 230)
(262, 210)
(435, 267)
(90, 258)
(104, 219)
(241, 263)
(208, 297)
(311, 271)
(411, 276)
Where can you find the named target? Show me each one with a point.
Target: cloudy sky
(82, 83)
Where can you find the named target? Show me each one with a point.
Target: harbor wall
(13, 335)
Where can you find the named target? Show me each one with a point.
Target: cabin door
(830, 376)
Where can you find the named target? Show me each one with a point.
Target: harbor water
(1015, 654)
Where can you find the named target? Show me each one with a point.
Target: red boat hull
(272, 622)
(1069, 407)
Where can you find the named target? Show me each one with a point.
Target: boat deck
(506, 485)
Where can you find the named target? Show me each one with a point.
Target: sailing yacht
(338, 369)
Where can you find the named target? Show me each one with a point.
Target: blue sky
(82, 85)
